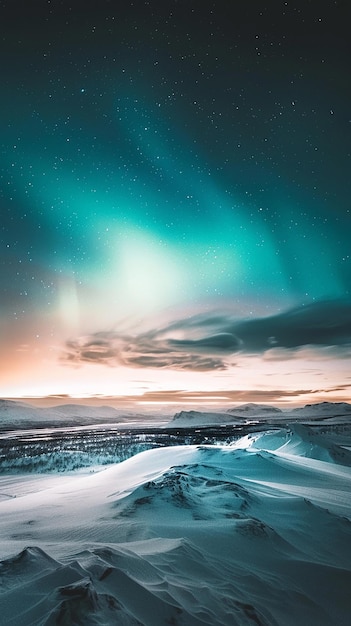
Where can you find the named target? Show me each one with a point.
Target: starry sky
(175, 200)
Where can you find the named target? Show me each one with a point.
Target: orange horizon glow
(261, 379)
(183, 400)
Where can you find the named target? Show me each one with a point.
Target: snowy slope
(235, 415)
(22, 414)
(323, 409)
(254, 410)
(337, 412)
(255, 533)
(197, 418)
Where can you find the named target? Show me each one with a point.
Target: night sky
(175, 200)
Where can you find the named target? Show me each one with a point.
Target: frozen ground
(252, 532)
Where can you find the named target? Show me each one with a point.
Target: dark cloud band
(321, 324)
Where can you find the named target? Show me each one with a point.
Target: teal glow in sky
(175, 200)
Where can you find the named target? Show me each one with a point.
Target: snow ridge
(255, 532)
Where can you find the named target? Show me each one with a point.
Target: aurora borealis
(175, 200)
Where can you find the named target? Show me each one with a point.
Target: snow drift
(253, 533)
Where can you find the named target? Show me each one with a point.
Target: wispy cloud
(145, 351)
(229, 395)
(204, 343)
(208, 397)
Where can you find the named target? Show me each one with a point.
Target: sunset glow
(175, 222)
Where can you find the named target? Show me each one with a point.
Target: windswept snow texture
(254, 533)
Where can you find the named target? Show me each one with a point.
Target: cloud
(146, 351)
(338, 388)
(309, 353)
(185, 345)
(209, 397)
(178, 361)
(326, 323)
(224, 342)
(91, 349)
(229, 395)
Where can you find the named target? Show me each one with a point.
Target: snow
(14, 414)
(254, 409)
(201, 418)
(327, 409)
(257, 532)
(335, 412)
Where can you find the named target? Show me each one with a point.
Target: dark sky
(167, 161)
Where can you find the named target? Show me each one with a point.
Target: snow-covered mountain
(196, 418)
(323, 409)
(15, 414)
(81, 410)
(188, 419)
(254, 410)
(264, 413)
(184, 535)
(235, 415)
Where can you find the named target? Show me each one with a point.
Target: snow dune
(256, 533)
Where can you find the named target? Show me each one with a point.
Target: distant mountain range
(324, 408)
(22, 414)
(263, 412)
(16, 414)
